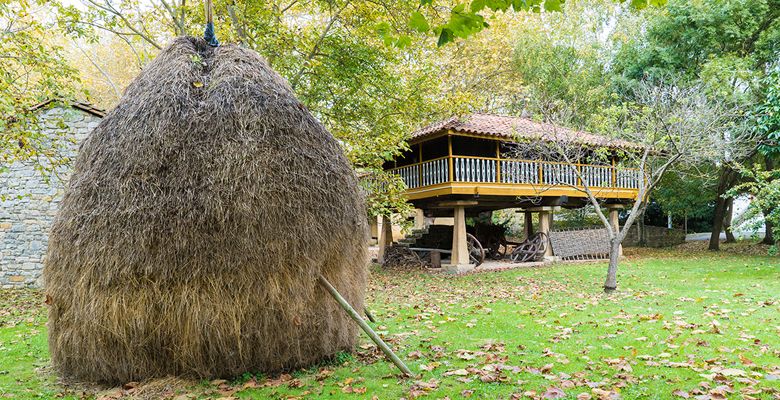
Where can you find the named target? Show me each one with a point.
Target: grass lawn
(684, 323)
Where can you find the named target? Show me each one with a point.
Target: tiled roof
(86, 107)
(506, 127)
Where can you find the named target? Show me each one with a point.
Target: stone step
(419, 231)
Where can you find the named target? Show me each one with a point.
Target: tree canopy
(32, 70)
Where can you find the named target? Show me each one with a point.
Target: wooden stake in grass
(363, 325)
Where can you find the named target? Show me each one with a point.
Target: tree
(368, 86)
(768, 125)
(563, 58)
(764, 188)
(687, 192)
(468, 18)
(32, 71)
(667, 125)
(725, 46)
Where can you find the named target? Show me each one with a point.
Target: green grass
(692, 322)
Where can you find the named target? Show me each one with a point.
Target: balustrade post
(498, 162)
(614, 173)
(419, 164)
(579, 176)
(449, 158)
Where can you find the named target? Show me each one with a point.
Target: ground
(685, 323)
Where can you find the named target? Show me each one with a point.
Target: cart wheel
(476, 252)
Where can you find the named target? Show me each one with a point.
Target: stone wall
(28, 202)
(656, 236)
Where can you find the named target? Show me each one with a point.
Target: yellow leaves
(420, 388)
(197, 84)
(715, 327)
(348, 387)
(457, 372)
(651, 317)
(430, 366)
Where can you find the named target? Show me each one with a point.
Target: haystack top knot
(208, 34)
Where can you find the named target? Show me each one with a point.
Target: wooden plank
(363, 325)
(458, 203)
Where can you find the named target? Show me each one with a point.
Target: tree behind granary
(665, 125)
(726, 45)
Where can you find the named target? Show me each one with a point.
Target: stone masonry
(28, 202)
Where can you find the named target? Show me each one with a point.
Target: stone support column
(545, 225)
(419, 219)
(385, 239)
(460, 250)
(459, 259)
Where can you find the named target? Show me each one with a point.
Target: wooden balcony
(465, 175)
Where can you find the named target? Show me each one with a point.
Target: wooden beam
(458, 203)
(543, 209)
(513, 190)
(364, 326)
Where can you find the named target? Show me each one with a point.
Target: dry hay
(198, 217)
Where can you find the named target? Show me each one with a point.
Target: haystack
(199, 215)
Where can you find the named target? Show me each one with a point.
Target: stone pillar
(373, 223)
(460, 250)
(545, 225)
(459, 259)
(528, 224)
(419, 219)
(385, 238)
(614, 220)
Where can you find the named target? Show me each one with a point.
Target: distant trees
(727, 47)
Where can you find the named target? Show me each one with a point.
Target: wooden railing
(474, 169)
(435, 171)
(513, 171)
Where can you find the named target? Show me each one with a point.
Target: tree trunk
(769, 237)
(726, 180)
(640, 230)
(610, 285)
(728, 215)
(717, 224)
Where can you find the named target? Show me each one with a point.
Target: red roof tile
(506, 127)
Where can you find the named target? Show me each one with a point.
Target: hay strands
(363, 325)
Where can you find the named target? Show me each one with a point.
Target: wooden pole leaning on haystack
(369, 315)
(363, 325)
